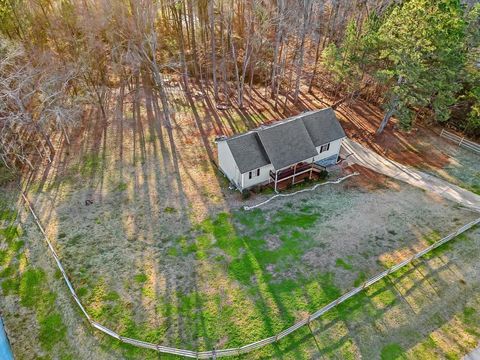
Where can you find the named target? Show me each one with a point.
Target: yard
(159, 249)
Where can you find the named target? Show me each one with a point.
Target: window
(325, 147)
(253, 173)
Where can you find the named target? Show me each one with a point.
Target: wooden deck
(295, 175)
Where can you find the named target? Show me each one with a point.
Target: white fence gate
(461, 141)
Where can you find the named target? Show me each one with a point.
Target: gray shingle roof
(248, 152)
(287, 142)
(323, 126)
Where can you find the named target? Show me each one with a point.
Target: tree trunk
(193, 40)
(299, 66)
(234, 57)
(211, 15)
(277, 46)
(317, 57)
(391, 111)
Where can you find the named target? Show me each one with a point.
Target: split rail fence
(461, 141)
(252, 346)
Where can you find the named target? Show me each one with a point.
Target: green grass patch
(343, 264)
(90, 164)
(31, 287)
(287, 220)
(432, 237)
(172, 251)
(7, 272)
(424, 350)
(10, 286)
(446, 247)
(140, 278)
(475, 188)
(10, 233)
(470, 316)
(360, 279)
(382, 293)
(186, 245)
(122, 186)
(16, 246)
(52, 330)
(392, 352)
(82, 292)
(3, 257)
(6, 214)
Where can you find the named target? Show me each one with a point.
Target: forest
(417, 59)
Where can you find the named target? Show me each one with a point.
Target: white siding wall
(227, 163)
(264, 177)
(333, 150)
(229, 167)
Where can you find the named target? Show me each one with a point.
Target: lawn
(159, 249)
(238, 276)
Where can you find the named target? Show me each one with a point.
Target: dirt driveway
(357, 153)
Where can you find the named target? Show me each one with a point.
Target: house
(287, 150)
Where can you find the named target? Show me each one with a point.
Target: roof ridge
(277, 123)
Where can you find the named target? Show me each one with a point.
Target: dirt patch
(369, 179)
(273, 242)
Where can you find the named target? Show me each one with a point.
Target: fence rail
(252, 346)
(461, 141)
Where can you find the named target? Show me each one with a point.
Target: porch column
(276, 177)
(311, 169)
(294, 172)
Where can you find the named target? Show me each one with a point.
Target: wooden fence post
(314, 338)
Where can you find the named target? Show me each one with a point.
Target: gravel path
(357, 153)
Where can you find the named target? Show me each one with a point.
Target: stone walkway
(357, 153)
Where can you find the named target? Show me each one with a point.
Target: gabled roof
(285, 142)
(248, 152)
(323, 126)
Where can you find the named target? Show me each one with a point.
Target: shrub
(246, 194)
(323, 175)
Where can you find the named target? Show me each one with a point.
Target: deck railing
(299, 169)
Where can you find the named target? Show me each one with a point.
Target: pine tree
(423, 53)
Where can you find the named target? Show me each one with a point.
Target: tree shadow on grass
(373, 324)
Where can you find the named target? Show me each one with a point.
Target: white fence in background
(213, 354)
(461, 141)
